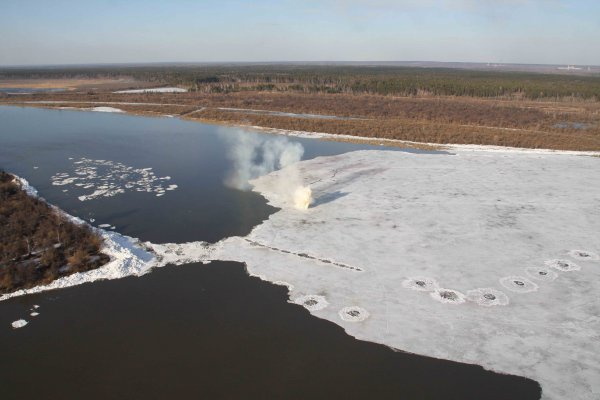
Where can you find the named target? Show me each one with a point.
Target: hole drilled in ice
(541, 273)
(423, 284)
(518, 284)
(487, 297)
(584, 255)
(448, 296)
(353, 314)
(562, 265)
(312, 302)
(19, 323)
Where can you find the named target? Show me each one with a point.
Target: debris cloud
(253, 156)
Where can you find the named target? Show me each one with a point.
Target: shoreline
(385, 142)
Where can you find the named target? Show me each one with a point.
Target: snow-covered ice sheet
(466, 257)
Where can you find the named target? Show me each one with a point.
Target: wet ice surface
(105, 178)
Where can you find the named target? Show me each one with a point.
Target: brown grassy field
(72, 84)
(561, 125)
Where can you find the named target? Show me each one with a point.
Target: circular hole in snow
(562, 265)
(353, 314)
(423, 284)
(541, 273)
(584, 255)
(487, 297)
(448, 296)
(518, 284)
(312, 302)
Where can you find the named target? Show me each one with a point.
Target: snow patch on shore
(106, 109)
(154, 90)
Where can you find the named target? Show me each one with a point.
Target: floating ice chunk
(113, 227)
(563, 265)
(541, 273)
(19, 323)
(584, 255)
(518, 284)
(487, 297)
(92, 220)
(34, 314)
(104, 226)
(353, 314)
(35, 167)
(312, 302)
(448, 296)
(159, 194)
(109, 178)
(423, 284)
(35, 306)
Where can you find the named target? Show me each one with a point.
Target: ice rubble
(108, 178)
(385, 223)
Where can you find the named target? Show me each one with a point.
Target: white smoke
(255, 156)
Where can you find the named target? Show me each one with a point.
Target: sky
(41, 32)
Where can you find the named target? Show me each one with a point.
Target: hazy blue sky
(106, 31)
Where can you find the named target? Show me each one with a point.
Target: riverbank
(556, 125)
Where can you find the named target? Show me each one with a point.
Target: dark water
(194, 331)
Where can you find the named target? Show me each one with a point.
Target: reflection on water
(191, 331)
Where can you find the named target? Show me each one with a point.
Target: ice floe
(109, 178)
(19, 323)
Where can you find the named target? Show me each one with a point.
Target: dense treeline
(37, 244)
(384, 80)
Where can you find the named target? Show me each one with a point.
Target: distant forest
(382, 80)
(37, 244)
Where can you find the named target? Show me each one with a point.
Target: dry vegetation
(37, 244)
(421, 105)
